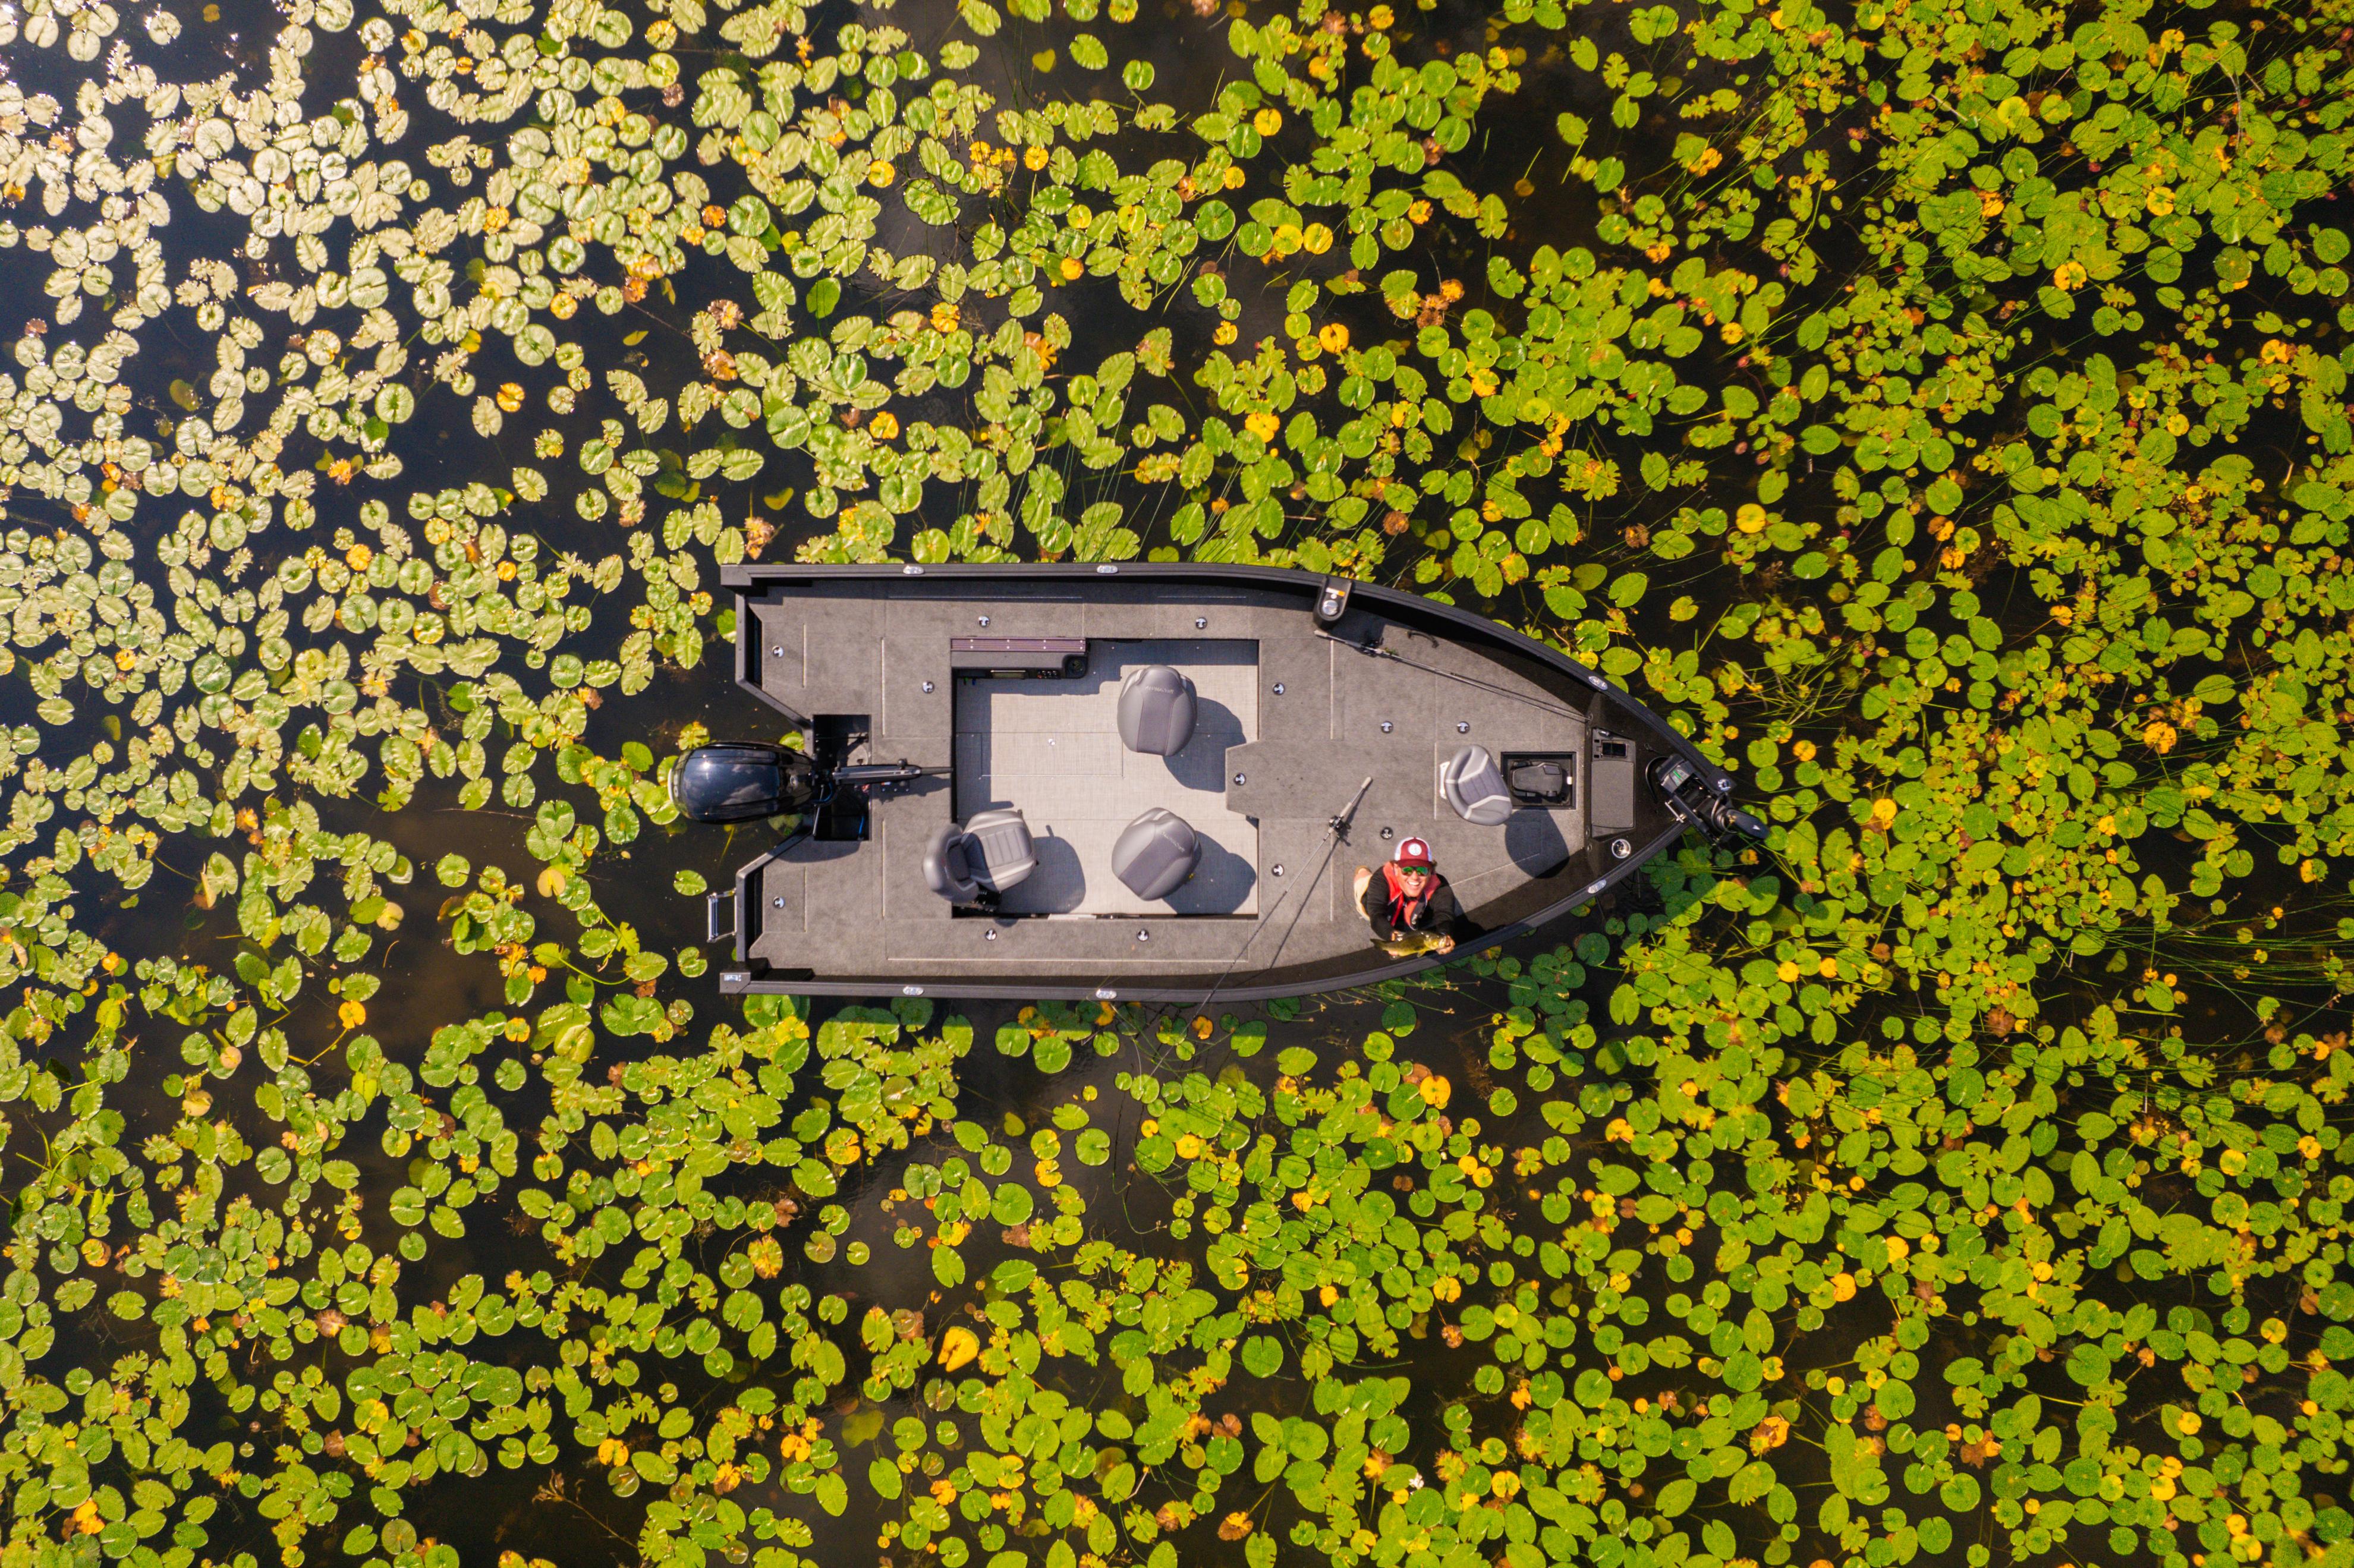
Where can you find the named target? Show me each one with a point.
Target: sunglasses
(1413, 870)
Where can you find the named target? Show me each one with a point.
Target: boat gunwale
(1466, 627)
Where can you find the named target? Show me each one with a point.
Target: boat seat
(1156, 707)
(1155, 853)
(989, 854)
(1474, 786)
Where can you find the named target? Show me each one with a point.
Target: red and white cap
(1413, 852)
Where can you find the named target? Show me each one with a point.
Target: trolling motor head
(1690, 800)
(742, 782)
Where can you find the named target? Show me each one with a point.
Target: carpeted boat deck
(1051, 749)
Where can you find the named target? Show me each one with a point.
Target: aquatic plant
(1940, 408)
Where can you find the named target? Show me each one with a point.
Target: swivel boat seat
(988, 855)
(1155, 853)
(1474, 786)
(1157, 708)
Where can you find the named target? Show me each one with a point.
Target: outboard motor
(742, 782)
(1690, 800)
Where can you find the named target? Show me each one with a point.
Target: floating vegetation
(1938, 406)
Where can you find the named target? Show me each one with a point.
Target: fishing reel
(1692, 803)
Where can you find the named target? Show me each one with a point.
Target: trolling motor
(742, 782)
(1692, 801)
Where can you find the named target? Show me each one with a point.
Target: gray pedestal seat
(1474, 786)
(1156, 853)
(989, 854)
(1157, 708)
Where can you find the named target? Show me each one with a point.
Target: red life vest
(1405, 911)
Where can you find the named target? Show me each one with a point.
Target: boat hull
(1003, 682)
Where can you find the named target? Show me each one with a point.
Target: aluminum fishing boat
(1150, 782)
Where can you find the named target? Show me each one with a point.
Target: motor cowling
(738, 781)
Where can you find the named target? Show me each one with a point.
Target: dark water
(567, 1514)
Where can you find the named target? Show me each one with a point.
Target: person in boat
(1408, 905)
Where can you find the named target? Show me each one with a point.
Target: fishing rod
(1376, 650)
(1336, 831)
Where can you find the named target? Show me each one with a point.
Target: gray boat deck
(1290, 723)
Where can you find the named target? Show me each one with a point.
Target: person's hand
(1444, 945)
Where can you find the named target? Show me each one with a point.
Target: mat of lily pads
(1939, 406)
